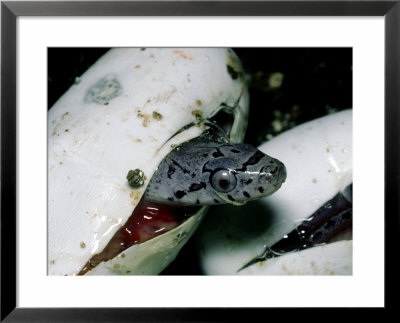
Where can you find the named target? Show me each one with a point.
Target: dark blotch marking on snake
(197, 186)
(346, 216)
(184, 170)
(217, 154)
(261, 190)
(330, 224)
(231, 198)
(254, 159)
(171, 171)
(246, 194)
(179, 194)
(317, 236)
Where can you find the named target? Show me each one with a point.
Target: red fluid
(147, 221)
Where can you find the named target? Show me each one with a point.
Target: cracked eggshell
(150, 257)
(117, 117)
(318, 160)
(330, 259)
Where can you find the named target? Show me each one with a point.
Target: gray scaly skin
(206, 171)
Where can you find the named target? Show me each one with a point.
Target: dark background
(316, 82)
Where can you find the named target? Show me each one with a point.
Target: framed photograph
(195, 223)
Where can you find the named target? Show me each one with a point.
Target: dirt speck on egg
(182, 54)
(135, 178)
(104, 90)
(134, 195)
(145, 117)
(64, 115)
(157, 116)
(197, 114)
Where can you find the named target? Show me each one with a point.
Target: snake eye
(223, 180)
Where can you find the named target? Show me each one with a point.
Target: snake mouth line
(147, 221)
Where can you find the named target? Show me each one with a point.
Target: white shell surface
(318, 160)
(330, 259)
(117, 117)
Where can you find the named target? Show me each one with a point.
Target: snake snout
(274, 173)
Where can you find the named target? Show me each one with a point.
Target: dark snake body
(333, 217)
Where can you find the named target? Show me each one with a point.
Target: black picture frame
(10, 10)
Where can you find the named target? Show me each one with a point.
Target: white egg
(121, 115)
(318, 160)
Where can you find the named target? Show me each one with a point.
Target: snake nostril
(266, 176)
